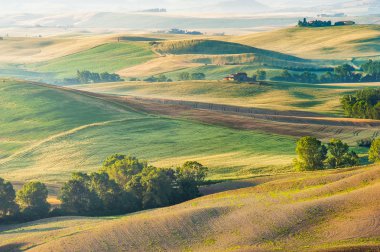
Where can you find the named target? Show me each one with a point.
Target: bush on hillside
(365, 142)
(374, 151)
(313, 155)
(32, 199)
(369, 72)
(339, 155)
(8, 206)
(85, 77)
(363, 104)
(198, 76)
(160, 78)
(125, 184)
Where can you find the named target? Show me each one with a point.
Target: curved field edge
(76, 131)
(328, 210)
(108, 57)
(318, 43)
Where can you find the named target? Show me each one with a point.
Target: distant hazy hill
(236, 6)
(351, 7)
(141, 21)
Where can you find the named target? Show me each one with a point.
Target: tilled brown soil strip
(291, 123)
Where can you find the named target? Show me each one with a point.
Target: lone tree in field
(374, 151)
(311, 154)
(32, 199)
(339, 155)
(8, 205)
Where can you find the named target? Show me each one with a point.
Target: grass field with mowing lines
(109, 57)
(31, 113)
(79, 132)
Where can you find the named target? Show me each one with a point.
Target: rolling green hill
(49, 133)
(109, 57)
(319, 98)
(212, 47)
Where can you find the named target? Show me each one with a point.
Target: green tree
(8, 206)
(114, 200)
(311, 154)
(122, 168)
(162, 78)
(339, 155)
(158, 190)
(198, 76)
(374, 151)
(189, 177)
(345, 72)
(261, 75)
(184, 76)
(77, 197)
(32, 199)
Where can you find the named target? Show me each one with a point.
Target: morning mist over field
(36, 6)
(172, 125)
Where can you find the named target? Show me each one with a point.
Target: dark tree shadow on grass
(13, 247)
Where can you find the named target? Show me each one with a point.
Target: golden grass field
(319, 98)
(30, 50)
(318, 43)
(319, 211)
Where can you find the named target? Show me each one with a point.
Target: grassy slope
(320, 43)
(281, 96)
(220, 58)
(215, 47)
(109, 57)
(302, 212)
(29, 50)
(49, 133)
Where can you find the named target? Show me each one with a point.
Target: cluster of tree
(179, 31)
(321, 23)
(306, 77)
(367, 142)
(160, 78)
(193, 76)
(86, 77)
(123, 185)
(30, 202)
(260, 75)
(364, 103)
(313, 155)
(344, 73)
(372, 70)
(314, 23)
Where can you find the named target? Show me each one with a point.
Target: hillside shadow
(13, 247)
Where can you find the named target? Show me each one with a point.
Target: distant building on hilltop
(241, 77)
